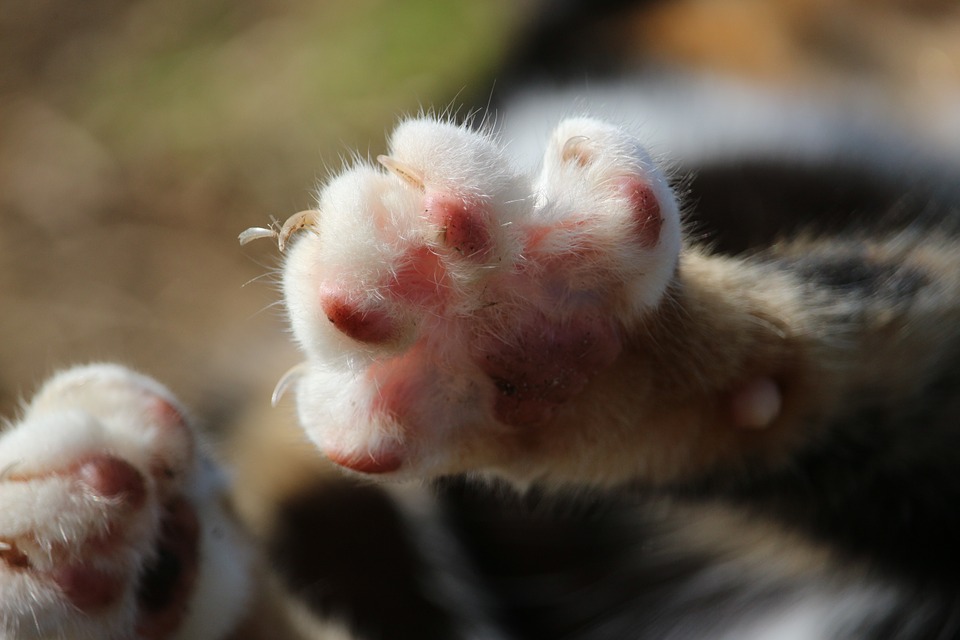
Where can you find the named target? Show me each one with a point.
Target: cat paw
(111, 519)
(446, 301)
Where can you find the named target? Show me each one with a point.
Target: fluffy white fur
(369, 218)
(49, 516)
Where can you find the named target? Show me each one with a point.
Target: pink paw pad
(360, 320)
(88, 588)
(643, 202)
(463, 227)
(420, 277)
(111, 477)
(546, 364)
(366, 462)
(511, 291)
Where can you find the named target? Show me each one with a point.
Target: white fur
(368, 218)
(614, 151)
(106, 409)
(820, 611)
(223, 588)
(696, 118)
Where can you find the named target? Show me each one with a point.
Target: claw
(573, 151)
(255, 233)
(403, 171)
(296, 222)
(292, 375)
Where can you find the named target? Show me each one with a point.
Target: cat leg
(458, 315)
(112, 520)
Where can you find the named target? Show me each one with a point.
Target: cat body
(821, 326)
(690, 373)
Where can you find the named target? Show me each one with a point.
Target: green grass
(312, 73)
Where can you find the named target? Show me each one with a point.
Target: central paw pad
(446, 297)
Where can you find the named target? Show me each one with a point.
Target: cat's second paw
(111, 521)
(450, 306)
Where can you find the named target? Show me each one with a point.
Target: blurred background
(139, 138)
